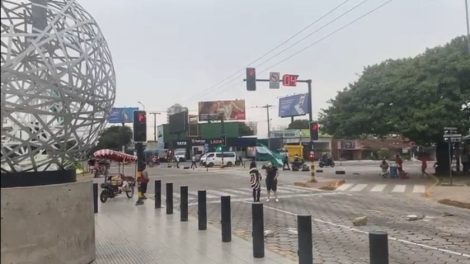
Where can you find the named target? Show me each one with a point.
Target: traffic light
(251, 79)
(140, 126)
(314, 127)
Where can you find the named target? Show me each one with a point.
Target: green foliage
(414, 97)
(245, 130)
(384, 153)
(115, 137)
(299, 124)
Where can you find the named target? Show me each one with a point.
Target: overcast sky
(167, 51)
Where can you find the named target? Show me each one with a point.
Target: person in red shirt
(402, 174)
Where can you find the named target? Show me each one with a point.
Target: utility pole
(269, 128)
(468, 27)
(154, 125)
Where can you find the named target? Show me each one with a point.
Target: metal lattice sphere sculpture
(58, 84)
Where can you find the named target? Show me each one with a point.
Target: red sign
(289, 80)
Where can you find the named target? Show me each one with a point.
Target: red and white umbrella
(114, 155)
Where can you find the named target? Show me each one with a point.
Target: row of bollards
(378, 241)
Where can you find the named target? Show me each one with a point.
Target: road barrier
(184, 204)
(202, 210)
(226, 218)
(158, 194)
(258, 230)
(95, 197)
(378, 247)
(304, 234)
(169, 198)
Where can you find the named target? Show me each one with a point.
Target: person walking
(253, 163)
(401, 173)
(193, 162)
(142, 182)
(271, 181)
(285, 161)
(424, 165)
(384, 166)
(255, 182)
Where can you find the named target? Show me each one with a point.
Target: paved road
(436, 238)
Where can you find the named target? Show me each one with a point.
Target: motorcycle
(326, 162)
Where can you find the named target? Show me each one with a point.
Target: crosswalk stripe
(194, 193)
(419, 189)
(176, 195)
(344, 187)
(219, 193)
(237, 191)
(281, 189)
(399, 188)
(378, 188)
(293, 188)
(358, 187)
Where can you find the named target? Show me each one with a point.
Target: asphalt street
(441, 235)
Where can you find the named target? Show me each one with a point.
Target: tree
(414, 97)
(115, 137)
(299, 124)
(245, 130)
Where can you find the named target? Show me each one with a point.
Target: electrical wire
(237, 73)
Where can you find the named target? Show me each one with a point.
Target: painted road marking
(419, 189)
(219, 193)
(194, 193)
(344, 187)
(378, 188)
(358, 187)
(399, 188)
(238, 191)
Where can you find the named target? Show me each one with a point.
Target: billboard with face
(214, 110)
(294, 105)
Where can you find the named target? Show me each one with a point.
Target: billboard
(122, 114)
(178, 122)
(294, 105)
(231, 110)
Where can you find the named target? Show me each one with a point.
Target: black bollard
(95, 197)
(169, 198)
(258, 230)
(226, 219)
(184, 203)
(304, 230)
(158, 194)
(202, 210)
(378, 247)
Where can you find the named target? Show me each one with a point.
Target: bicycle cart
(116, 184)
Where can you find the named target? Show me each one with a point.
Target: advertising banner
(122, 114)
(294, 105)
(230, 109)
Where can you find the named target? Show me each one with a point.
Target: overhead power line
(237, 73)
(312, 44)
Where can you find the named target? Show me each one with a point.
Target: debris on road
(268, 233)
(360, 221)
(413, 217)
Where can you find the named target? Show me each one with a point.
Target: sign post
(451, 136)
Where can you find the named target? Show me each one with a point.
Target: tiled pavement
(130, 234)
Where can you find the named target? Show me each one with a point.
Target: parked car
(215, 159)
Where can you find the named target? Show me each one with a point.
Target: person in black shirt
(271, 181)
(253, 163)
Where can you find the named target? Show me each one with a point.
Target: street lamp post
(143, 106)
(468, 26)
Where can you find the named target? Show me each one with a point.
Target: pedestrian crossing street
(388, 188)
(245, 194)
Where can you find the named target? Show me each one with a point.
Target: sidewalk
(126, 233)
(456, 195)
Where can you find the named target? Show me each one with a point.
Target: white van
(215, 158)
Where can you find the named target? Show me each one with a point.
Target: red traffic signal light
(314, 127)
(140, 126)
(289, 80)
